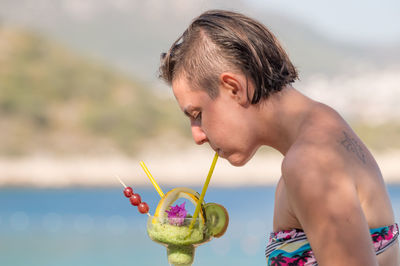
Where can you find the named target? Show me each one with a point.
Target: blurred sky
(354, 21)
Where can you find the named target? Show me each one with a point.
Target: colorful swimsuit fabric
(291, 247)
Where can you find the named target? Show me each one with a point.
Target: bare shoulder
(318, 163)
(332, 182)
(327, 144)
(328, 173)
(310, 165)
(324, 199)
(317, 147)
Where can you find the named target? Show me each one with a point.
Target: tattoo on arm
(352, 145)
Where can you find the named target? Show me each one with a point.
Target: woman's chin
(237, 159)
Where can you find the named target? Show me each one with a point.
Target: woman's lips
(217, 150)
(220, 153)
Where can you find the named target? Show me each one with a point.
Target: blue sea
(94, 227)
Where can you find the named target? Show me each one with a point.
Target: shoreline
(168, 168)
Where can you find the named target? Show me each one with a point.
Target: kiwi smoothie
(179, 239)
(171, 225)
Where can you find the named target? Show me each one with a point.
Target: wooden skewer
(122, 183)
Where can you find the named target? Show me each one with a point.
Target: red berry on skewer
(143, 207)
(135, 199)
(128, 192)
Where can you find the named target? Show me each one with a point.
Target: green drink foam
(177, 235)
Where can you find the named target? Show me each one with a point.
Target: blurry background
(80, 103)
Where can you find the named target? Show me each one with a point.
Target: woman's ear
(236, 85)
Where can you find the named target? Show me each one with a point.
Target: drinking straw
(203, 192)
(157, 187)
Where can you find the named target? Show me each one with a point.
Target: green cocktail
(174, 228)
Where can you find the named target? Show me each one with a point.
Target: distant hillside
(53, 100)
(132, 34)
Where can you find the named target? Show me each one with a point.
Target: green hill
(53, 100)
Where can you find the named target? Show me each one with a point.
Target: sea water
(63, 227)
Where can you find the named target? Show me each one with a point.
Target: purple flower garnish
(177, 214)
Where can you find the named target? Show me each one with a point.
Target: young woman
(233, 80)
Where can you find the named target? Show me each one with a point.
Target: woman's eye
(198, 116)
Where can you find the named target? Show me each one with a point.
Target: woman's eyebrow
(187, 110)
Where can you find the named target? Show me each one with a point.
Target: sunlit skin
(234, 127)
(334, 192)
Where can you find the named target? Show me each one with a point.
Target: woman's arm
(324, 199)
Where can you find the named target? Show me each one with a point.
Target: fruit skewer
(135, 198)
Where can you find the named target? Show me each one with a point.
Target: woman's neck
(283, 114)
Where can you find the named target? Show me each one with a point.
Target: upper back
(329, 138)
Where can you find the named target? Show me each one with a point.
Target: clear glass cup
(180, 241)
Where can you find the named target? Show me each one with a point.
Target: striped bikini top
(291, 247)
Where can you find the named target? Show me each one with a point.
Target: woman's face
(222, 122)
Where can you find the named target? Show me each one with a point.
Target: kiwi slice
(217, 219)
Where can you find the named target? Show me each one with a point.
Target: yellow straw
(203, 192)
(151, 179)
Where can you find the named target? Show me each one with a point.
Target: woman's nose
(198, 135)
